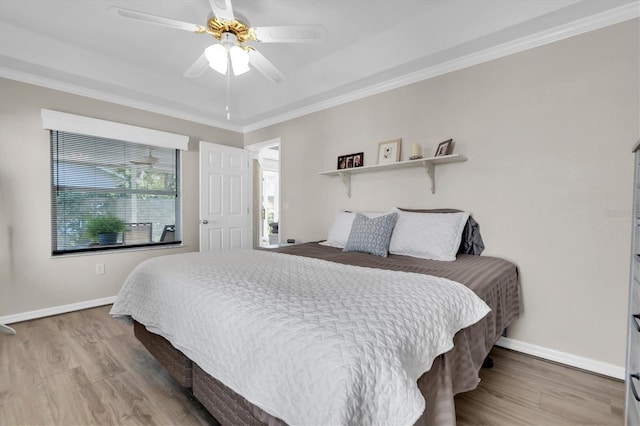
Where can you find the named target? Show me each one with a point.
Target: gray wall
(30, 279)
(548, 133)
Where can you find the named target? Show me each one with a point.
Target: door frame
(254, 149)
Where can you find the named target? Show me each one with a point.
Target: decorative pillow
(341, 227)
(472, 242)
(428, 235)
(371, 235)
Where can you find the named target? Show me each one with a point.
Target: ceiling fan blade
(225, 13)
(158, 20)
(145, 161)
(263, 65)
(290, 34)
(198, 67)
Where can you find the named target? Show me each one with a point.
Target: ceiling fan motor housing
(242, 32)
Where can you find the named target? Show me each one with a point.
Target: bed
(438, 373)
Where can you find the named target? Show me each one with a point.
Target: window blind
(109, 194)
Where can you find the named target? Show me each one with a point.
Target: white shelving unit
(632, 402)
(428, 163)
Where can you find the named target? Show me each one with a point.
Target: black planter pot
(107, 238)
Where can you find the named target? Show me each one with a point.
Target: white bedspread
(309, 341)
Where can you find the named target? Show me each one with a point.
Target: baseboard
(56, 310)
(587, 364)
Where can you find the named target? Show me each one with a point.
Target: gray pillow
(371, 235)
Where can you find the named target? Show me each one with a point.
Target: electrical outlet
(100, 269)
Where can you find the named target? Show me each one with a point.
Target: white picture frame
(389, 151)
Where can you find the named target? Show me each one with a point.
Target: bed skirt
(438, 386)
(179, 367)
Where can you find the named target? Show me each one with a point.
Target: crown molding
(74, 89)
(601, 20)
(581, 26)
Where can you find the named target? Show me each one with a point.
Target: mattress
(493, 279)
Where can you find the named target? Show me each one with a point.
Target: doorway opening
(270, 212)
(267, 192)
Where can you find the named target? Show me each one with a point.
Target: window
(113, 185)
(109, 194)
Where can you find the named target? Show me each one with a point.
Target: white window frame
(65, 122)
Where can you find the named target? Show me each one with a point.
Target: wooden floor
(85, 368)
(523, 390)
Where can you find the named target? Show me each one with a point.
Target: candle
(416, 152)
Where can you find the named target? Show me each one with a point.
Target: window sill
(102, 251)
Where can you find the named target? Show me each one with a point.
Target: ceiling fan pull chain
(228, 90)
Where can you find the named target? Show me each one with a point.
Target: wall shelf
(428, 163)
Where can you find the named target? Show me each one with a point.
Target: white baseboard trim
(582, 363)
(504, 342)
(56, 310)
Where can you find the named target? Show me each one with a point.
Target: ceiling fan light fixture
(239, 60)
(232, 30)
(217, 56)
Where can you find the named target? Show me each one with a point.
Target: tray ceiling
(372, 45)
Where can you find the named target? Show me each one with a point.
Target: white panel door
(225, 198)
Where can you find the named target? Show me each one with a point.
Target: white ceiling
(372, 45)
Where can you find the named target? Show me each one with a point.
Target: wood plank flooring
(84, 368)
(523, 390)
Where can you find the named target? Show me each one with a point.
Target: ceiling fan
(148, 161)
(232, 32)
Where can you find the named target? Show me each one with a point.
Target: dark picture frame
(444, 148)
(351, 161)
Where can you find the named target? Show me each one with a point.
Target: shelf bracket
(431, 172)
(346, 179)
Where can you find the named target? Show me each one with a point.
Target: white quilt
(309, 341)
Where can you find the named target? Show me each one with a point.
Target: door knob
(205, 221)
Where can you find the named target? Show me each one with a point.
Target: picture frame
(389, 151)
(358, 159)
(351, 161)
(444, 148)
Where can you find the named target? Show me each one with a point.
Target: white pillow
(341, 228)
(433, 236)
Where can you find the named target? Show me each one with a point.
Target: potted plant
(104, 229)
